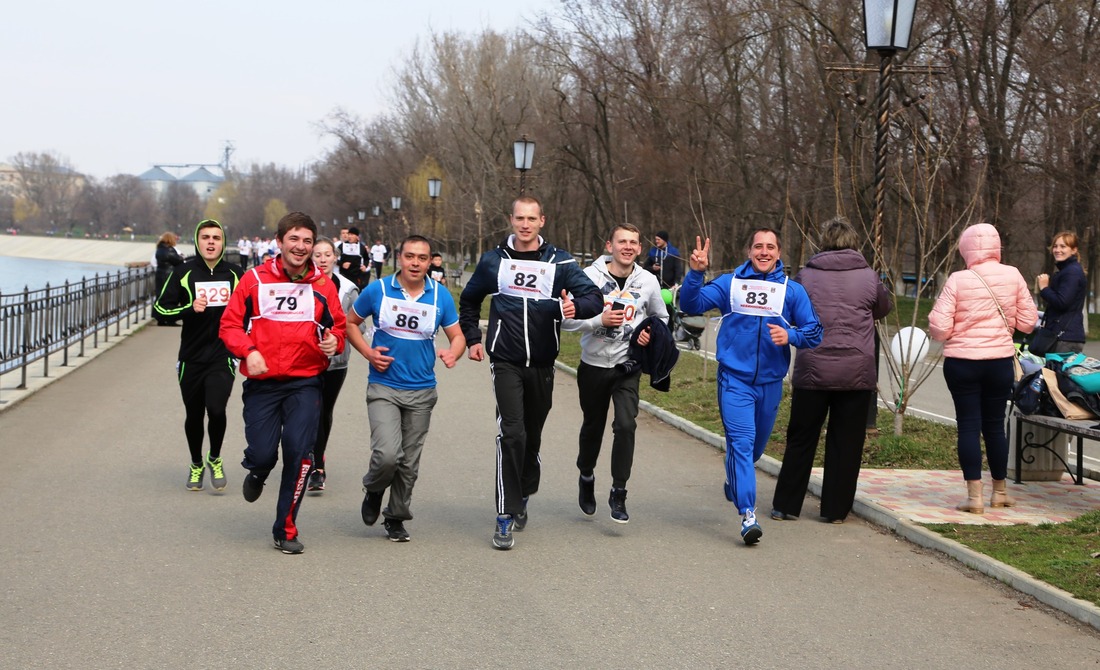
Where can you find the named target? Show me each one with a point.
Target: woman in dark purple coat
(837, 379)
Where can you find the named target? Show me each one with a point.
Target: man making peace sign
(762, 315)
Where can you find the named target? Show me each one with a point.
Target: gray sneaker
(289, 546)
(521, 518)
(503, 538)
(217, 473)
(194, 478)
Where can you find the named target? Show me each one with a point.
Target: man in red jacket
(283, 321)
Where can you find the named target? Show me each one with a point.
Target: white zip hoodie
(641, 295)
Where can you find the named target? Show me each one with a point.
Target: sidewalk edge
(872, 512)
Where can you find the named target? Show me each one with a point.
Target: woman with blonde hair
(975, 316)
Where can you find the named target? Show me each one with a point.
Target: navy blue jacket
(524, 331)
(1065, 299)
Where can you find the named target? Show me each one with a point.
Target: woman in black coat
(1064, 295)
(166, 258)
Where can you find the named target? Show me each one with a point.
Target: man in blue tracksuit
(534, 286)
(762, 315)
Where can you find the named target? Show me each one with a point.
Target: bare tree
(51, 187)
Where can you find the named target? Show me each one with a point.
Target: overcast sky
(117, 86)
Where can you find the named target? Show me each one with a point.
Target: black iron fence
(35, 325)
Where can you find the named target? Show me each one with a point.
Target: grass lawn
(1066, 555)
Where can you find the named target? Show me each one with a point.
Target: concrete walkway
(109, 562)
(110, 252)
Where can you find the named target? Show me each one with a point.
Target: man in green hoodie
(197, 292)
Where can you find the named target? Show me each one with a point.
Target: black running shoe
(316, 481)
(588, 495)
(617, 502)
(395, 530)
(521, 518)
(289, 546)
(372, 507)
(252, 488)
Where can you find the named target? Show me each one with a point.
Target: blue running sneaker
(503, 538)
(750, 530)
(728, 490)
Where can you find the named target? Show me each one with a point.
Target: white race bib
(286, 302)
(526, 279)
(757, 297)
(407, 320)
(628, 302)
(215, 292)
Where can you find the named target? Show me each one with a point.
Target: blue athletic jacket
(524, 331)
(745, 347)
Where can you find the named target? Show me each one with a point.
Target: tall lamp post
(395, 204)
(435, 184)
(887, 26)
(524, 150)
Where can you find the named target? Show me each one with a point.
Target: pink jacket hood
(966, 317)
(980, 243)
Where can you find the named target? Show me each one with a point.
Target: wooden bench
(456, 275)
(1080, 429)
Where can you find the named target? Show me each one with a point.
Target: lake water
(15, 273)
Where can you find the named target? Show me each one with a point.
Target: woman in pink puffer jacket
(978, 352)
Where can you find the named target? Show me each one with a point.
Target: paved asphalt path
(109, 562)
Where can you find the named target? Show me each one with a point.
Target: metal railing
(34, 325)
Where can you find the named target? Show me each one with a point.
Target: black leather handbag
(1042, 341)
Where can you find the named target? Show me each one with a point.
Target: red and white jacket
(288, 340)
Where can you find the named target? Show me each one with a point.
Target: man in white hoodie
(631, 294)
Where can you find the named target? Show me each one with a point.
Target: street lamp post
(435, 184)
(395, 204)
(524, 150)
(887, 26)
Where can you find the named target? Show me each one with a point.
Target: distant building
(157, 179)
(9, 180)
(203, 181)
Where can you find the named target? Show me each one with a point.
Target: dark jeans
(524, 396)
(598, 387)
(843, 450)
(980, 390)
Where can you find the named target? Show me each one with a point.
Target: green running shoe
(194, 481)
(217, 474)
